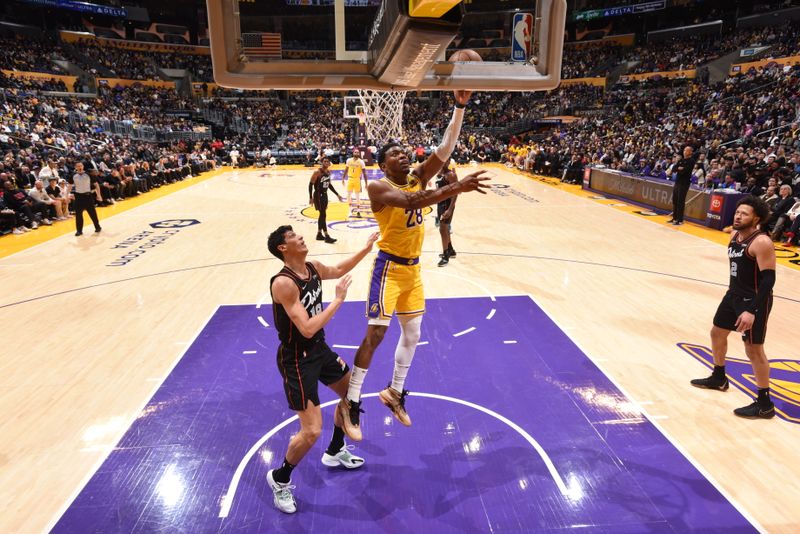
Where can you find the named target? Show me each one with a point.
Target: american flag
(261, 45)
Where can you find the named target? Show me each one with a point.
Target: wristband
(460, 106)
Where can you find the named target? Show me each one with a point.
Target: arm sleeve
(450, 137)
(766, 281)
(310, 189)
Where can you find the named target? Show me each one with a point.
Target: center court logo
(139, 244)
(784, 379)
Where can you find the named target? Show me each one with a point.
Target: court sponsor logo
(784, 379)
(504, 190)
(174, 223)
(139, 244)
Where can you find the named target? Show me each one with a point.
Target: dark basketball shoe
(397, 403)
(351, 418)
(445, 259)
(329, 239)
(320, 237)
(712, 382)
(451, 252)
(756, 411)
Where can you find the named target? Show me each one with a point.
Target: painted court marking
(572, 492)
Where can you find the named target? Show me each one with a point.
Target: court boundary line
(99, 463)
(497, 254)
(111, 211)
(745, 513)
(694, 229)
(568, 491)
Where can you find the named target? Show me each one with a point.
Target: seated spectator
(29, 210)
(55, 208)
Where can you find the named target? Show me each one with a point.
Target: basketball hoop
(383, 114)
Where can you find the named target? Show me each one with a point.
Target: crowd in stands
(746, 130)
(589, 61)
(40, 141)
(29, 56)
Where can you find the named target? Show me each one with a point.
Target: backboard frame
(232, 69)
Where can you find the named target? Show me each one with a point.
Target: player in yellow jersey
(396, 285)
(355, 171)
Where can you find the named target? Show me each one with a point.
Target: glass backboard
(384, 45)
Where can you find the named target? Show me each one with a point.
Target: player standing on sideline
(355, 169)
(303, 356)
(444, 210)
(395, 284)
(318, 197)
(746, 306)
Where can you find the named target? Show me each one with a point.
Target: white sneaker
(17, 231)
(282, 495)
(344, 458)
(34, 225)
(25, 229)
(47, 222)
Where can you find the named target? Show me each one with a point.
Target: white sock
(356, 380)
(404, 353)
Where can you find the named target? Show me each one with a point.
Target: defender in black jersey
(318, 197)
(746, 306)
(444, 212)
(304, 358)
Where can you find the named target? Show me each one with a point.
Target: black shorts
(320, 205)
(301, 370)
(731, 308)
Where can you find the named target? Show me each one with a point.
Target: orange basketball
(465, 55)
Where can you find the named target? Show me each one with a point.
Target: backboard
(383, 44)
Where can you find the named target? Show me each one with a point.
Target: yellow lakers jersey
(354, 169)
(402, 230)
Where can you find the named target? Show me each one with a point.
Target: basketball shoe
(351, 418)
(712, 382)
(756, 411)
(396, 402)
(344, 458)
(282, 495)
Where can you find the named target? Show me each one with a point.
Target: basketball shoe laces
(401, 401)
(355, 413)
(283, 492)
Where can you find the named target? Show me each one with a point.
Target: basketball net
(383, 114)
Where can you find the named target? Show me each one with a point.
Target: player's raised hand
(474, 182)
(342, 285)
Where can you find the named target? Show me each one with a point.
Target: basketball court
(550, 391)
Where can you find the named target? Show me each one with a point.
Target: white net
(383, 114)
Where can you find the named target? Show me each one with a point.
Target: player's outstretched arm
(438, 157)
(382, 194)
(337, 271)
(285, 293)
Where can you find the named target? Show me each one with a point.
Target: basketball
(465, 55)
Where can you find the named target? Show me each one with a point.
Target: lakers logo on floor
(784, 380)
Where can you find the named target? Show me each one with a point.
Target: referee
(683, 181)
(84, 199)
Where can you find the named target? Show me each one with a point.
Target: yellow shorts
(353, 185)
(394, 287)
